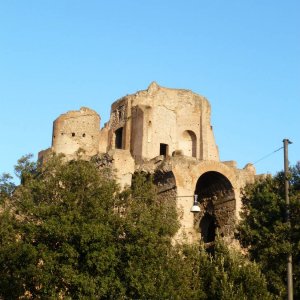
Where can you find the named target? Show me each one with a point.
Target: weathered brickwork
(167, 133)
(76, 129)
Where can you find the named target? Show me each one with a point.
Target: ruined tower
(76, 129)
(166, 132)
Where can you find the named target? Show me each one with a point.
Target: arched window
(188, 143)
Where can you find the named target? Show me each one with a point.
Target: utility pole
(286, 142)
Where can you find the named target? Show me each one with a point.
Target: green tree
(264, 232)
(229, 275)
(153, 268)
(59, 236)
(68, 232)
(6, 187)
(25, 167)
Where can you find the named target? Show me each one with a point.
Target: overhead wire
(266, 156)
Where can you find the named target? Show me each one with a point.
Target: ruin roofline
(153, 87)
(77, 113)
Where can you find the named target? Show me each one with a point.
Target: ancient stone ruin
(168, 133)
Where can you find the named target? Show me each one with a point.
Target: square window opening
(164, 149)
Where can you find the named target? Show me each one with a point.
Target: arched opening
(217, 201)
(188, 143)
(208, 228)
(119, 138)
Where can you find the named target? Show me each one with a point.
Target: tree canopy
(68, 232)
(263, 230)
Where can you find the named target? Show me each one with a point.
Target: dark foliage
(67, 232)
(265, 233)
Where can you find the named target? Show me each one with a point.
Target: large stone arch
(215, 166)
(187, 174)
(217, 203)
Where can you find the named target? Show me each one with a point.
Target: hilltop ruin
(166, 132)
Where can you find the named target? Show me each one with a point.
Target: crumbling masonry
(166, 132)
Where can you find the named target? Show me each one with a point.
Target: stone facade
(166, 132)
(159, 121)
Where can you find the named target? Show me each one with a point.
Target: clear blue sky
(243, 55)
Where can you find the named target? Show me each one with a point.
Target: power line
(266, 156)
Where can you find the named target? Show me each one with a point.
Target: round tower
(76, 130)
